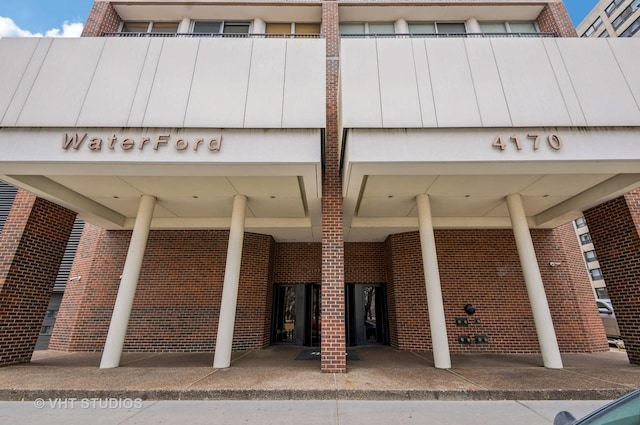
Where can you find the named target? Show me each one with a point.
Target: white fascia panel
(305, 84)
(627, 54)
(219, 91)
(400, 102)
(172, 83)
(61, 86)
(266, 84)
(147, 75)
(359, 84)
(599, 82)
(423, 81)
(16, 54)
(486, 81)
(114, 84)
(453, 90)
(531, 89)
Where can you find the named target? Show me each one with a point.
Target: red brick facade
(615, 232)
(32, 244)
(102, 18)
(555, 19)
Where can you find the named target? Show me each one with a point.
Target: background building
(320, 173)
(612, 18)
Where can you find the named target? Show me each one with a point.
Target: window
(581, 222)
(596, 24)
(633, 28)
(508, 27)
(46, 330)
(437, 28)
(527, 27)
(590, 256)
(596, 274)
(613, 6)
(602, 293)
(626, 13)
(585, 238)
(220, 27)
(275, 29)
(373, 28)
(150, 27)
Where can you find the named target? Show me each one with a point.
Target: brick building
(319, 173)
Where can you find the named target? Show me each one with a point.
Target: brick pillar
(614, 228)
(102, 18)
(333, 322)
(32, 245)
(555, 18)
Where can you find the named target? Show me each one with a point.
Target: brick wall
(102, 18)
(481, 267)
(32, 245)
(177, 300)
(555, 18)
(614, 228)
(333, 358)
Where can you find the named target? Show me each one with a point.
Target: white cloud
(8, 28)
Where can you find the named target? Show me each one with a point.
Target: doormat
(314, 354)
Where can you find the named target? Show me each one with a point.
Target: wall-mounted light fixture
(75, 278)
(554, 263)
(469, 309)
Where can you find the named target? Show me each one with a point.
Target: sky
(65, 18)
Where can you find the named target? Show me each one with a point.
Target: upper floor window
(363, 28)
(593, 27)
(585, 238)
(590, 256)
(437, 28)
(626, 13)
(221, 27)
(150, 27)
(633, 28)
(613, 6)
(275, 29)
(521, 27)
(581, 222)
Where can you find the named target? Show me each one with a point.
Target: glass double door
(297, 319)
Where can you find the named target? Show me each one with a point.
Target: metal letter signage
(553, 141)
(75, 141)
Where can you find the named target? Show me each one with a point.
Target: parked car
(623, 411)
(608, 316)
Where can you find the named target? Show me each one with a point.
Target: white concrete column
(437, 321)
(401, 26)
(185, 26)
(226, 323)
(128, 283)
(259, 26)
(473, 26)
(535, 288)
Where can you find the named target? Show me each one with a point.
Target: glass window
(352, 28)
(51, 314)
(381, 28)
(307, 28)
(46, 330)
(523, 27)
(493, 27)
(135, 27)
(164, 28)
(278, 29)
(590, 256)
(596, 274)
(613, 6)
(451, 28)
(626, 13)
(207, 27)
(633, 28)
(581, 222)
(585, 238)
(605, 34)
(602, 293)
(422, 28)
(236, 28)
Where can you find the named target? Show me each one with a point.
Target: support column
(437, 321)
(401, 26)
(535, 288)
(128, 283)
(226, 323)
(259, 26)
(473, 27)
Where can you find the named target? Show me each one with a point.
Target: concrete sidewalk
(382, 373)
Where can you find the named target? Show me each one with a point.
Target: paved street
(317, 412)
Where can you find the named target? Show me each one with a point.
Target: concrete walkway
(382, 373)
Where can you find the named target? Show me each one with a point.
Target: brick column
(102, 18)
(555, 18)
(32, 245)
(333, 339)
(614, 228)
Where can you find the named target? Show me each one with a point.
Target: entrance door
(366, 313)
(296, 315)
